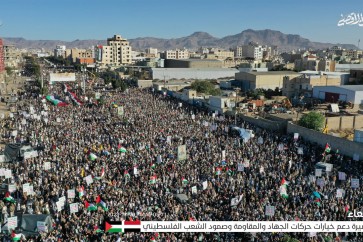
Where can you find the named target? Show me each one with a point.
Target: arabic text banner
(251, 226)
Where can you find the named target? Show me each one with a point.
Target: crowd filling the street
(121, 159)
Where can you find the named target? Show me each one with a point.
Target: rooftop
(353, 87)
(349, 87)
(324, 73)
(197, 60)
(273, 73)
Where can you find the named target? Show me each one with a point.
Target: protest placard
(73, 207)
(8, 174)
(355, 183)
(194, 190)
(318, 172)
(89, 179)
(26, 188)
(342, 176)
(182, 152)
(41, 226)
(270, 210)
(205, 185)
(12, 188)
(71, 193)
(12, 222)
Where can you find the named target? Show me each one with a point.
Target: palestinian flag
(56, 101)
(90, 206)
(152, 180)
(101, 203)
(102, 174)
(184, 181)
(92, 156)
(81, 191)
(218, 171)
(284, 182)
(153, 166)
(122, 149)
(327, 148)
(126, 174)
(9, 198)
(97, 229)
(153, 239)
(16, 237)
(72, 95)
(283, 191)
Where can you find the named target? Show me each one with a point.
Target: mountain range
(285, 42)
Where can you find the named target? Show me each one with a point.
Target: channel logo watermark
(351, 19)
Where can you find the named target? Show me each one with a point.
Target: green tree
(313, 120)
(206, 87)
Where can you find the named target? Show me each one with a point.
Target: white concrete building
(192, 73)
(117, 52)
(348, 93)
(176, 54)
(253, 51)
(60, 51)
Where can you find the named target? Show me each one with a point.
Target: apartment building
(12, 56)
(253, 50)
(60, 51)
(238, 52)
(2, 64)
(309, 62)
(176, 54)
(117, 52)
(326, 65)
(80, 54)
(151, 52)
(220, 54)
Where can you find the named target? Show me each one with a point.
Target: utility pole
(235, 105)
(84, 80)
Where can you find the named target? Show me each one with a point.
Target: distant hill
(50, 44)
(194, 41)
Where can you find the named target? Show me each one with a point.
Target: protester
(122, 152)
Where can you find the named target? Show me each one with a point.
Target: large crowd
(123, 153)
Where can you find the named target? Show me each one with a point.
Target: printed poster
(182, 152)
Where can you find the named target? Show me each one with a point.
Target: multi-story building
(80, 53)
(303, 85)
(117, 52)
(309, 62)
(2, 64)
(238, 52)
(176, 54)
(326, 65)
(12, 56)
(290, 57)
(266, 80)
(220, 54)
(152, 52)
(252, 50)
(60, 51)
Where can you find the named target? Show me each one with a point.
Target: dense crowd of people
(123, 153)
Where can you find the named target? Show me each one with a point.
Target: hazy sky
(96, 19)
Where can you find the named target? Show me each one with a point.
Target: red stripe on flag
(132, 222)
